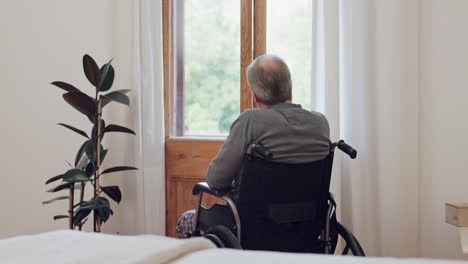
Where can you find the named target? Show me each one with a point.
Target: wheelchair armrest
(204, 187)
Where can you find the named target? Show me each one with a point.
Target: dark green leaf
(79, 216)
(96, 202)
(82, 223)
(55, 178)
(83, 162)
(55, 199)
(60, 217)
(119, 168)
(103, 212)
(75, 175)
(79, 155)
(106, 100)
(89, 170)
(94, 132)
(90, 149)
(99, 205)
(105, 69)
(91, 70)
(108, 75)
(66, 86)
(81, 132)
(124, 91)
(61, 187)
(116, 97)
(103, 155)
(113, 192)
(81, 102)
(117, 128)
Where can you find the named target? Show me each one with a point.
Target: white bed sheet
(81, 247)
(229, 256)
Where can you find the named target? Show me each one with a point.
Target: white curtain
(366, 82)
(325, 76)
(139, 67)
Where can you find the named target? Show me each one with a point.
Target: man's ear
(255, 98)
(256, 102)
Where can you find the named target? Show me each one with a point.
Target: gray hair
(269, 78)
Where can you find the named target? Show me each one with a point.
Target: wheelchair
(277, 207)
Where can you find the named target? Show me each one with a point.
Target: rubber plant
(86, 169)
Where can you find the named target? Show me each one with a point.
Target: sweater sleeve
(224, 168)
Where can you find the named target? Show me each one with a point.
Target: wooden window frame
(245, 52)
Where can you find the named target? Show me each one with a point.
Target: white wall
(42, 41)
(443, 122)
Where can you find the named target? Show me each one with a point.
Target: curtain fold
(325, 76)
(138, 55)
(152, 113)
(376, 109)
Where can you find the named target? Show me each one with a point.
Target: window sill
(196, 138)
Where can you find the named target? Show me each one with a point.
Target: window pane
(211, 66)
(289, 35)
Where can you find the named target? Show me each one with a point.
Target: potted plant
(86, 169)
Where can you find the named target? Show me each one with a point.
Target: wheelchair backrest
(283, 206)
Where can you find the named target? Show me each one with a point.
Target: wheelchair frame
(222, 195)
(351, 242)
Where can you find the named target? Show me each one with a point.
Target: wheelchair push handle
(257, 149)
(346, 149)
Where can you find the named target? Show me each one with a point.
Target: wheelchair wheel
(351, 242)
(224, 235)
(215, 239)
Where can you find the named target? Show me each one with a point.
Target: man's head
(270, 80)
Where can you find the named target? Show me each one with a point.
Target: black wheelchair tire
(215, 239)
(351, 242)
(227, 238)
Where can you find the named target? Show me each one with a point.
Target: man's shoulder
(258, 113)
(250, 113)
(245, 117)
(318, 115)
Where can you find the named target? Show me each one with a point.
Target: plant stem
(81, 199)
(70, 206)
(98, 162)
(94, 162)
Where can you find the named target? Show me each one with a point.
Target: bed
(80, 247)
(229, 256)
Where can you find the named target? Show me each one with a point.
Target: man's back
(292, 134)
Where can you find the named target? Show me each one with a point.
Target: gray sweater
(292, 134)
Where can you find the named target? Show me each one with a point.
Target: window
(212, 42)
(206, 58)
(212, 59)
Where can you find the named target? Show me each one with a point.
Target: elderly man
(292, 134)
